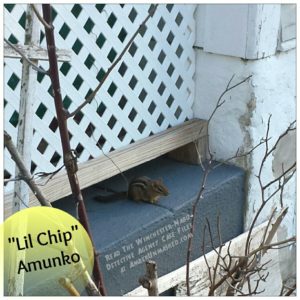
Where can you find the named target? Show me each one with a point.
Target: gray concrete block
(127, 233)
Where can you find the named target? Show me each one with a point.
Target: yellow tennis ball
(48, 250)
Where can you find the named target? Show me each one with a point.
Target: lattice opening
(7, 176)
(42, 146)
(64, 31)
(76, 10)
(122, 35)
(123, 68)
(122, 102)
(132, 15)
(13, 81)
(9, 7)
(143, 62)
(89, 25)
(78, 117)
(77, 46)
(14, 119)
(143, 94)
(100, 7)
(40, 112)
(33, 167)
(132, 115)
(100, 40)
(13, 39)
(101, 109)
(53, 125)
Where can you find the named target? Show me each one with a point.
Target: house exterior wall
(257, 40)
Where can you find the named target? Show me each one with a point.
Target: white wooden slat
(34, 52)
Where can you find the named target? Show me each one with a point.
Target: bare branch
(68, 155)
(93, 94)
(266, 247)
(268, 225)
(238, 155)
(262, 186)
(207, 169)
(17, 178)
(23, 171)
(290, 290)
(204, 255)
(274, 228)
(290, 128)
(190, 240)
(219, 103)
(41, 19)
(279, 177)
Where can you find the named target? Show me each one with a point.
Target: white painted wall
(244, 40)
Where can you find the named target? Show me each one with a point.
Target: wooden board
(101, 168)
(35, 53)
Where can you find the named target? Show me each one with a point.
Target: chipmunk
(140, 189)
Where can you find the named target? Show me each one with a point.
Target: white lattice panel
(151, 89)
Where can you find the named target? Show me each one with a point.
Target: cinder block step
(127, 233)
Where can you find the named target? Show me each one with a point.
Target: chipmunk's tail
(115, 196)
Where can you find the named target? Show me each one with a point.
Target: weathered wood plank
(191, 153)
(101, 168)
(199, 274)
(26, 112)
(36, 53)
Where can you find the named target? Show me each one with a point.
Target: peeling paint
(246, 161)
(284, 155)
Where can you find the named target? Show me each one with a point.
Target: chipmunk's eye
(160, 188)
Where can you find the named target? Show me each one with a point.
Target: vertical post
(21, 190)
(149, 281)
(27, 96)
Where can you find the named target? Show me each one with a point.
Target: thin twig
(109, 70)
(23, 171)
(290, 240)
(279, 177)
(219, 103)
(17, 178)
(268, 225)
(190, 240)
(238, 155)
(112, 161)
(247, 265)
(208, 168)
(241, 262)
(204, 255)
(267, 239)
(34, 66)
(290, 128)
(262, 186)
(290, 290)
(41, 19)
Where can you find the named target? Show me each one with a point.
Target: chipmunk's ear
(160, 179)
